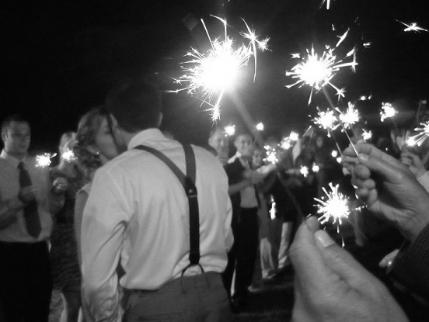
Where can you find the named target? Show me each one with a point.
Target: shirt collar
(12, 160)
(144, 137)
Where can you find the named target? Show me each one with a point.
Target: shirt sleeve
(104, 220)
(411, 266)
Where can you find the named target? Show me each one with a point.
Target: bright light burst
(413, 26)
(230, 130)
(271, 154)
(366, 135)
(328, 4)
(326, 120)
(387, 111)
(334, 206)
(315, 168)
(273, 208)
(216, 71)
(68, 155)
(288, 141)
(44, 160)
(304, 171)
(350, 117)
(334, 153)
(260, 127)
(317, 70)
(421, 136)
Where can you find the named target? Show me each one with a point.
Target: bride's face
(104, 141)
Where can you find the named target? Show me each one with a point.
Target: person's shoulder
(204, 154)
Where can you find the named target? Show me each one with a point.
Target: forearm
(101, 304)
(235, 188)
(8, 211)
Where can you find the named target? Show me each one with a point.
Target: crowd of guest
(132, 225)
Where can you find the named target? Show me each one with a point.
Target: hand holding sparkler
(330, 285)
(413, 162)
(396, 196)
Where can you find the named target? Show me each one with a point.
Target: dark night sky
(60, 58)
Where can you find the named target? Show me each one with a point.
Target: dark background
(60, 58)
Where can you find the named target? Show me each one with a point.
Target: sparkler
(44, 160)
(333, 206)
(230, 130)
(304, 171)
(350, 117)
(68, 155)
(421, 136)
(271, 154)
(366, 135)
(387, 111)
(216, 71)
(273, 208)
(413, 26)
(326, 120)
(315, 168)
(317, 71)
(287, 142)
(328, 4)
(334, 153)
(260, 127)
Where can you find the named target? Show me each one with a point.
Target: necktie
(31, 215)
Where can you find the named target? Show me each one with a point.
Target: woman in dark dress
(64, 261)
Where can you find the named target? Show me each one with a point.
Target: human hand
(396, 196)
(60, 185)
(413, 162)
(330, 285)
(27, 194)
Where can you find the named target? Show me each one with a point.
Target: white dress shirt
(137, 213)
(9, 189)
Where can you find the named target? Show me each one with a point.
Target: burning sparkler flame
(216, 71)
(68, 155)
(260, 127)
(366, 135)
(44, 160)
(413, 26)
(334, 206)
(387, 111)
(326, 120)
(271, 154)
(304, 171)
(350, 117)
(421, 136)
(230, 130)
(317, 71)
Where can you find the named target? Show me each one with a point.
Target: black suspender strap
(188, 183)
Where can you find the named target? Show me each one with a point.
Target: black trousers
(25, 281)
(243, 254)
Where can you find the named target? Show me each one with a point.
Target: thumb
(341, 262)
